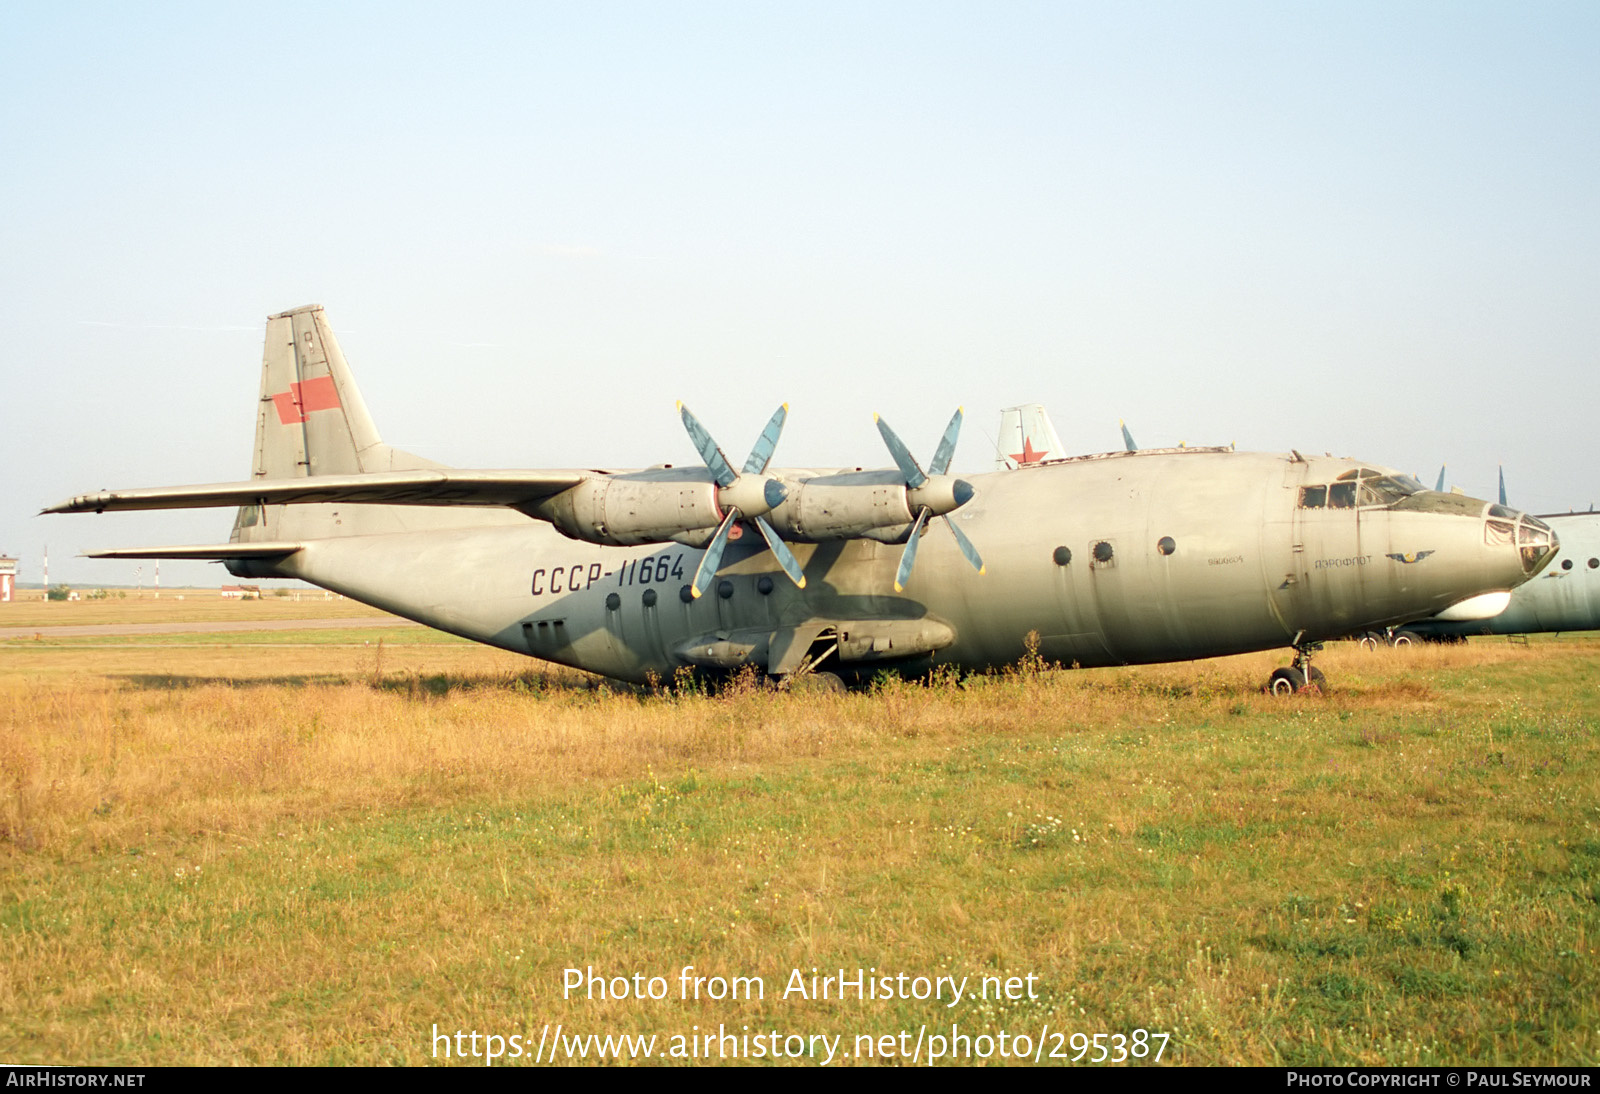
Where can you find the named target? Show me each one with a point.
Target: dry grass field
(195, 606)
(330, 851)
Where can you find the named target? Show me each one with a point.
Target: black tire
(1371, 640)
(818, 683)
(1403, 638)
(1285, 682)
(1317, 680)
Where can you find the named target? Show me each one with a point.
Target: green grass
(1405, 872)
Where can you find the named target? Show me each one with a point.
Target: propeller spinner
(933, 494)
(750, 495)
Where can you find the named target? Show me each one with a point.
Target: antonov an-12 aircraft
(1154, 555)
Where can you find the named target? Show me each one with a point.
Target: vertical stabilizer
(1027, 437)
(311, 419)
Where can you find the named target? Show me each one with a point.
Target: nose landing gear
(1300, 676)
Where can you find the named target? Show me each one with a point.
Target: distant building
(8, 578)
(241, 592)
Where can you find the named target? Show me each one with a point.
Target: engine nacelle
(646, 507)
(862, 504)
(682, 505)
(841, 506)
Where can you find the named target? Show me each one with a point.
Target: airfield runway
(127, 630)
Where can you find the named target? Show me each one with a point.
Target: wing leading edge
(219, 552)
(432, 486)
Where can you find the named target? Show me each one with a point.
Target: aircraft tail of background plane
(1026, 437)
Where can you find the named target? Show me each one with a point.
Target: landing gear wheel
(1300, 676)
(1405, 638)
(1371, 640)
(817, 683)
(1285, 682)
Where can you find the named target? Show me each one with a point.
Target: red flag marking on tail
(301, 399)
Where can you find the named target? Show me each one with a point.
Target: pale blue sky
(1372, 229)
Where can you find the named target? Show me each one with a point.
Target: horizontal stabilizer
(216, 552)
(430, 486)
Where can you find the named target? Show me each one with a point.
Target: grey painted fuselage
(1209, 554)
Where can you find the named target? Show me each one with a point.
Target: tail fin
(311, 419)
(1027, 437)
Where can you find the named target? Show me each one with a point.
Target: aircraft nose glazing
(1536, 541)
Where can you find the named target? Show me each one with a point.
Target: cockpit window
(1362, 488)
(1531, 536)
(1388, 489)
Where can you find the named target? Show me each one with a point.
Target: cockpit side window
(1361, 487)
(1388, 489)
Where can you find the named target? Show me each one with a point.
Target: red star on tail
(1029, 454)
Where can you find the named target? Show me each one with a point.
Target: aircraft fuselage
(1125, 558)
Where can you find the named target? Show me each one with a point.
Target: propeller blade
(1127, 438)
(1438, 487)
(966, 546)
(761, 454)
(902, 455)
(1502, 485)
(780, 551)
(947, 445)
(908, 557)
(721, 471)
(712, 559)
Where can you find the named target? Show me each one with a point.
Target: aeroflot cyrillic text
(1335, 563)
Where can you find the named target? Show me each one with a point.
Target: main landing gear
(1300, 676)
(1404, 637)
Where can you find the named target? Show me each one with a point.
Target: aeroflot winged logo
(1411, 556)
(301, 399)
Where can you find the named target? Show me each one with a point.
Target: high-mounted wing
(431, 486)
(217, 552)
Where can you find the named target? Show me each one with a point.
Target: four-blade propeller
(934, 494)
(749, 495)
